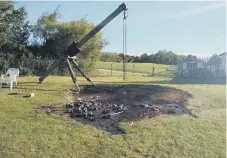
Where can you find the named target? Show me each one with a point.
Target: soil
(105, 106)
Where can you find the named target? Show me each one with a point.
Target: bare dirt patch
(105, 106)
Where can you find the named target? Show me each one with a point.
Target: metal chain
(124, 44)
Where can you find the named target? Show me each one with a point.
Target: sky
(184, 27)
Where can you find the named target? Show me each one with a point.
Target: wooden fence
(148, 69)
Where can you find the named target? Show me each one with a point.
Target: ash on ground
(105, 106)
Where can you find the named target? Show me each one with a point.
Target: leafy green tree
(6, 8)
(214, 60)
(19, 27)
(144, 58)
(14, 29)
(136, 59)
(110, 57)
(53, 38)
(14, 32)
(44, 28)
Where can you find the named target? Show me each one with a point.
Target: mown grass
(25, 133)
(136, 67)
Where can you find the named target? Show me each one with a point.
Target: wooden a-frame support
(72, 59)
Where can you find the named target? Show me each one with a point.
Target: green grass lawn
(25, 133)
(137, 67)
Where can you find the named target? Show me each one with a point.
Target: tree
(191, 58)
(136, 59)
(144, 58)
(159, 56)
(110, 57)
(6, 8)
(19, 28)
(170, 58)
(128, 58)
(44, 28)
(214, 60)
(14, 30)
(53, 38)
(13, 25)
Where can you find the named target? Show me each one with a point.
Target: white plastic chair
(13, 73)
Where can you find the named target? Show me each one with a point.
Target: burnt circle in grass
(105, 106)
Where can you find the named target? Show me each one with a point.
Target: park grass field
(25, 133)
(136, 67)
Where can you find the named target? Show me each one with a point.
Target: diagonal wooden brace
(72, 75)
(87, 78)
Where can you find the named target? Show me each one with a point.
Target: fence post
(153, 71)
(5, 67)
(205, 72)
(133, 68)
(182, 68)
(111, 68)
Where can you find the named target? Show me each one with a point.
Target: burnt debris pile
(106, 106)
(93, 108)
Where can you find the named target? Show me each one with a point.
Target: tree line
(33, 47)
(161, 57)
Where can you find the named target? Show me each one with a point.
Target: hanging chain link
(124, 43)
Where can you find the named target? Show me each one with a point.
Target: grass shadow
(23, 83)
(211, 80)
(37, 89)
(13, 93)
(134, 82)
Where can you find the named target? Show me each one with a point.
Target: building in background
(223, 62)
(192, 66)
